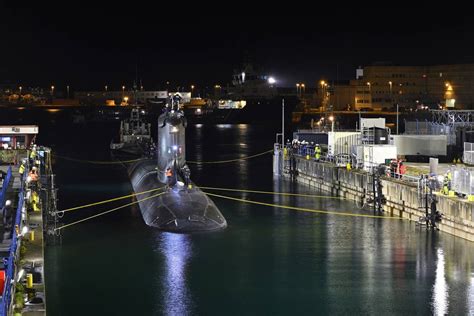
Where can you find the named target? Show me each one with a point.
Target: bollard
(29, 281)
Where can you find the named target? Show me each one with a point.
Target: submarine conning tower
(171, 139)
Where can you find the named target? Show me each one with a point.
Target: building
(382, 87)
(119, 97)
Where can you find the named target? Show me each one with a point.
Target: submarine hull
(177, 209)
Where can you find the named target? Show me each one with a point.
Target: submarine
(181, 207)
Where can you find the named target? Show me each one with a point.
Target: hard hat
(34, 168)
(8, 203)
(24, 160)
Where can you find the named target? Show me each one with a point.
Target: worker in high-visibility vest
(22, 170)
(449, 176)
(169, 176)
(445, 185)
(35, 201)
(33, 174)
(33, 154)
(317, 152)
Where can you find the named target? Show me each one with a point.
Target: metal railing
(6, 300)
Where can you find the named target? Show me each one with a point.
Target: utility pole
(282, 123)
(397, 118)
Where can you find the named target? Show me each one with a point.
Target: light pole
(370, 93)
(282, 123)
(192, 89)
(218, 90)
(303, 88)
(106, 87)
(20, 89)
(67, 89)
(391, 98)
(297, 89)
(52, 91)
(397, 118)
(123, 91)
(331, 118)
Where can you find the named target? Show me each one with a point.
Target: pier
(405, 197)
(31, 196)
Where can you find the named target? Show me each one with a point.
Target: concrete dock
(24, 291)
(402, 195)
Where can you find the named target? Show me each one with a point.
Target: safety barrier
(6, 299)
(6, 183)
(468, 154)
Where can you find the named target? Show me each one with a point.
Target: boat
(252, 98)
(135, 135)
(172, 202)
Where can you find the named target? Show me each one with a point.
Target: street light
(123, 91)
(106, 87)
(67, 89)
(370, 93)
(331, 118)
(20, 89)
(192, 89)
(391, 100)
(52, 90)
(303, 87)
(390, 85)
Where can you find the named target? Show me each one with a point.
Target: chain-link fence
(431, 128)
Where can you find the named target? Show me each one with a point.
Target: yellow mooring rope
(109, 200)
(106, 212)
(304, 209)
(229, 160)
(98, 162)
(274, 193)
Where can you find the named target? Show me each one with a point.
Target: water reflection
(176, 297)
(440, 288)
(470, 296)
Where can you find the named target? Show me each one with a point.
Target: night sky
(90, 44)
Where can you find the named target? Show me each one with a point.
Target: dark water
(269, 261)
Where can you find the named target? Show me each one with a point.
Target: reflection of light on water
(440, 287)
(176, 297)
(223, 126)
(470, 296)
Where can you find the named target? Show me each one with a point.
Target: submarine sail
(182, 207)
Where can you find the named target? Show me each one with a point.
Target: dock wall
(402, 197)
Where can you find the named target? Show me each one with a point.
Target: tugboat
(181, 207)
(134, 137)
